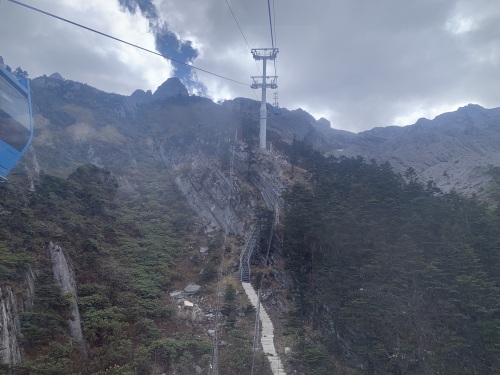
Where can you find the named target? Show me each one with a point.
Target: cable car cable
(275, 39)
(276, 109)
(246, 41)
(125, 42)
(242, 34)
(270, 22)
(274, 24)
(239, 27)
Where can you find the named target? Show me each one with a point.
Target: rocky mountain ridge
(456, 150)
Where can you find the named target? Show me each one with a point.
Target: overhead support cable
(255, 94)
(275, 38)
(274, 25)
(125, 42)
(246, 41)
(270, 22)
(239, 27)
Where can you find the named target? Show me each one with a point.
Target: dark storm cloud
(168, 44)
(147, 7)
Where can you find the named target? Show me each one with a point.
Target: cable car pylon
(276, 105)
(264, 82)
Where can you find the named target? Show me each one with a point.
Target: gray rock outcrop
(29, 293)
(11, 305)
(192, 288)
(10, 352)
(170, 88)
(65, 279)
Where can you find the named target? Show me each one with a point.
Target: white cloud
(459, 25)
(42, 45)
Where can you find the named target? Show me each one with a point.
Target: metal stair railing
(246, 255)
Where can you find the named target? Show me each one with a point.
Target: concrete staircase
(270, 188)
(267, 334)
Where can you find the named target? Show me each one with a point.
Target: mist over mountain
(456, 150)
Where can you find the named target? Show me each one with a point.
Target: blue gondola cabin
(16, 121)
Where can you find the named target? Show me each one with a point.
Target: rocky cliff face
(29, 293)
(11, 306)
(210, 191)
(455, 150)
(10, 352)
(65, 278)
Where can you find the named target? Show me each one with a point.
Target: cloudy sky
(359, 63)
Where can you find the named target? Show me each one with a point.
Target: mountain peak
(141, 96)
(470, 108)
(56, 76)
(171, 87)
(323, 123)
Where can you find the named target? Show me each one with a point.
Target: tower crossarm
(264, 53)
(271, 82)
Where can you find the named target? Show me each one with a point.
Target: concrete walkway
(267, 334)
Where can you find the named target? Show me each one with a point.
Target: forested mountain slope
(128, 236)
(369, 272)
(395, 274)
(123, 249)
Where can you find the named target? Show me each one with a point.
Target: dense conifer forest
(392, 273)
